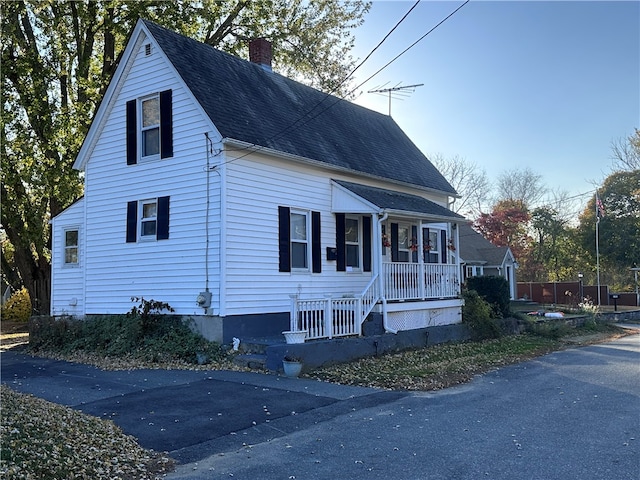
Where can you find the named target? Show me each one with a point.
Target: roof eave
(333, 168)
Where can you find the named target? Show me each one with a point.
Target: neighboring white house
(478, 256)
(252, 203)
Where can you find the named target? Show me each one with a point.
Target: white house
(251, 203)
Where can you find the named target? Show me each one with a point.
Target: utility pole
(398, 91)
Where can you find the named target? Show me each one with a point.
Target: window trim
(142, 220)
(314, 240)
(65, 247)
(134, 220)
(352, 268)
(141, 129)
(134, 132)
(307, 241)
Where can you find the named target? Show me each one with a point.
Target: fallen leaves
(41, 439)
(436, 367)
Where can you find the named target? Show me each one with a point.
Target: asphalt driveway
(573, 414)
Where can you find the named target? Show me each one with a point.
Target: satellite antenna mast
(397, 92)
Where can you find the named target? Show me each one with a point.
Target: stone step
(258, 345)
(254, 361)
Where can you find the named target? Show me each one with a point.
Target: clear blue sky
(544, 85)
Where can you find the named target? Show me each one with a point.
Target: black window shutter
(366, 244)
(414, 241)
(284, 238)
(166, 124)
(394, 242)
(132, 133)
(132, 221)
(341, 243)
(316, 251)
(162, 228)
(425, 245)
(443, 241)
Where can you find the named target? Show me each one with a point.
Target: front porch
(407, 295)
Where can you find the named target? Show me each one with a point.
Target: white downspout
(383, 299)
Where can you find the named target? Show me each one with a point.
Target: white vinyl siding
(172, 270)
(67, 278)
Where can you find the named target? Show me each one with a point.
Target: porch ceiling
(401, 203)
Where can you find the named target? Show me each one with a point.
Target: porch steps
(254, 352)
(253, 361)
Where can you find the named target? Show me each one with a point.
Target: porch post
(293, 322)
(456, 232)
(421, 266)
(328, 316)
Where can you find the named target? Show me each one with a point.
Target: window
(353, 243)
(148, 218)
(299, 240)
(352, 240)
(150, 126)
(71, 247)
(299, 243)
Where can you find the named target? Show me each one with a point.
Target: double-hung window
(299, 240)
(150, 126)
(147, 219)
(71, 239)
(352, 242)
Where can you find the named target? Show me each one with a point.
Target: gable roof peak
(265, 109)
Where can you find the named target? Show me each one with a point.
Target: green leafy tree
(57, 60)
(618, 229)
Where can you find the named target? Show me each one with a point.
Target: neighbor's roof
(252, 105)
(400, 202)
(475, 248)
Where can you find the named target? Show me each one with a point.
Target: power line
(328, 95)
(338, 99)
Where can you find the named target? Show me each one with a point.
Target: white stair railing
(333, 317)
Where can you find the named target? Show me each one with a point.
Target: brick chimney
(260, 52)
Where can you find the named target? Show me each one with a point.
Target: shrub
(18, 307)
(477, 313)
(494, 290)
(142, 333)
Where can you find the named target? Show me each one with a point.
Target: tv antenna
(398, 92)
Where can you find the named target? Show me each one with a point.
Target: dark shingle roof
(475, 248)
(252, 105)
(389, 199)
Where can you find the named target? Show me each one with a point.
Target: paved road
(568, 415)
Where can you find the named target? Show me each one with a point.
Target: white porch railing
(338, 317)
(418, 281)
(334, 317)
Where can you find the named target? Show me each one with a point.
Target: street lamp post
(580, 287)
(635, 278)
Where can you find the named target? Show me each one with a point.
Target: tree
(625, 153)
(506, 225)
(57, 60)
(523, 186)
(468, 179)
(618, 229)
